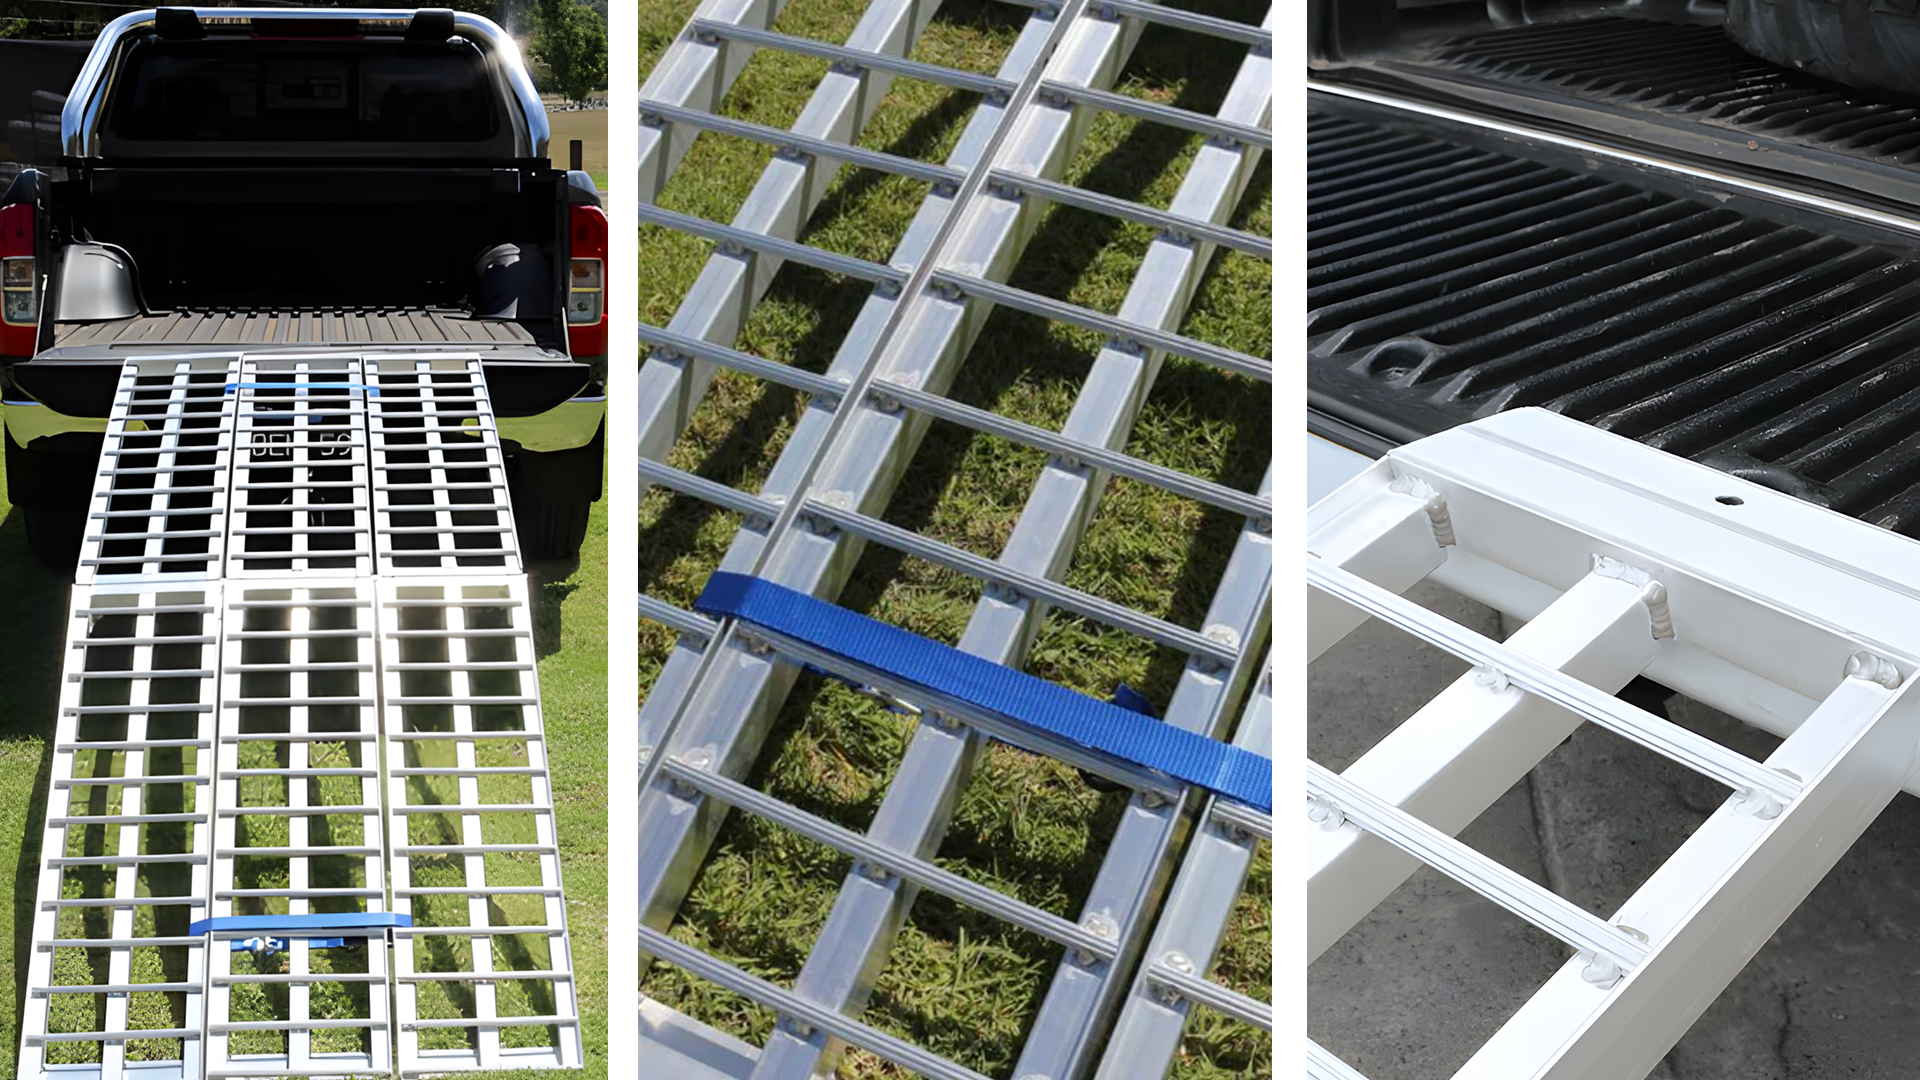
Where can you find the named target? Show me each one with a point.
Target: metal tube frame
(1816, 602)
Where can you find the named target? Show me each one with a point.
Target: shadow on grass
(32, 624)
(1247, 458)
(548, 589)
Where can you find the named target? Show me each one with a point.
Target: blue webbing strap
(1038, 704)
(322, 928)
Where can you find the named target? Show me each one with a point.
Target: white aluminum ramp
(1626, 561)
(708, 715)
(305, 641)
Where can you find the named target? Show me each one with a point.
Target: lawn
(590, 127)
(958, 982)
(570, 611)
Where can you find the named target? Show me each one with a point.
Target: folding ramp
(300, 687)
(713, 703)
(1624, 561)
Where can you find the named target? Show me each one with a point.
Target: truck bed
(356, 325)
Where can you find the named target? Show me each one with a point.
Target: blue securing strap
(320, 924)
(276, 944)
(1035, 703)
(372, 391)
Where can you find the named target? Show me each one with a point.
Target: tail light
(19, 281)
(587, 282)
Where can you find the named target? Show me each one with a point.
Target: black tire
(550, 530)
(49, 486)
(553, 495)
(55, 533)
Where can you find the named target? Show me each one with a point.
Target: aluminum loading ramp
(299, 681)
(1623, 561)
(1109, 1010)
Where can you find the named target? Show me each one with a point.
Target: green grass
(570, 610)
(590, 127)
(958, 982)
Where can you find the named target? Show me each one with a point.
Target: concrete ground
(1430, 974)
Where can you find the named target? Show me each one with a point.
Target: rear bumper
(523, 382)
(542, 405)
(29, 421)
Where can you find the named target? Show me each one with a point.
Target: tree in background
(39, 20)
(566, 39)
(570, 42)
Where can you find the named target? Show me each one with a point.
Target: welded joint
(1003, 593)
(1868, 667)
(764, 522)
(1100, 925)
(699, 759)
(1492, 679)
(881, 392)
(1755, 803)
(1323, 813)
(1179, 963)
(1435, 503)
(1652, 593)
(1601, 971)
(1175, 238)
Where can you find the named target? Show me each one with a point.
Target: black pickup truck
(291, 180)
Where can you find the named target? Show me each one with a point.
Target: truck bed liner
(1687, 89)
(1447, 282)
(373, 326)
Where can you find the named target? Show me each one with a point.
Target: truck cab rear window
(334, 92)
